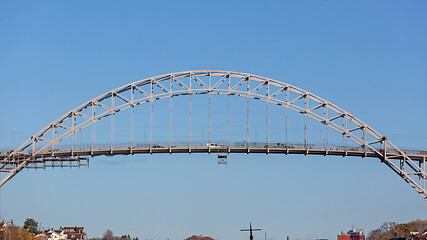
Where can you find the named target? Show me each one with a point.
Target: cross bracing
(44, 148)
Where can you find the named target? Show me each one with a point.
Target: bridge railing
(220, 144)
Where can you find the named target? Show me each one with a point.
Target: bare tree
(108, 235)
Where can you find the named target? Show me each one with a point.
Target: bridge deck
(66, 154)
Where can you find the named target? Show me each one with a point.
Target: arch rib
(114, 101)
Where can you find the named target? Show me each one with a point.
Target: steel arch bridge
(43, 149)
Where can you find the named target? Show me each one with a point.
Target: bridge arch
(411, 168)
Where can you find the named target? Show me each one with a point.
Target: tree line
(397, 230)
(9, 231)
(108, 235)
(201, 237)
(31, 231)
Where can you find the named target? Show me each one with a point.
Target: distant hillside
(393, 230)
(194, 237)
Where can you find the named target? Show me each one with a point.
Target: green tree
(31, 225)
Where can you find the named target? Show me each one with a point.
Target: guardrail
(221, 145)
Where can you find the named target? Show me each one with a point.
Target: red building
(75, 233)
(353, 234)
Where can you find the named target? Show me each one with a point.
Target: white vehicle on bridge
(212, 145)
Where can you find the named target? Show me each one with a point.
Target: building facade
(66, 233)
(75, 233)
(353, 234)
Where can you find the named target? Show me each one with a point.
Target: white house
(54, 235)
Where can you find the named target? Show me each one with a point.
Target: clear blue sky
(368, 57)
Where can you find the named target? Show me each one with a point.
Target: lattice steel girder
(114, 101)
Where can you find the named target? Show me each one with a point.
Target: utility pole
(251, 237)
